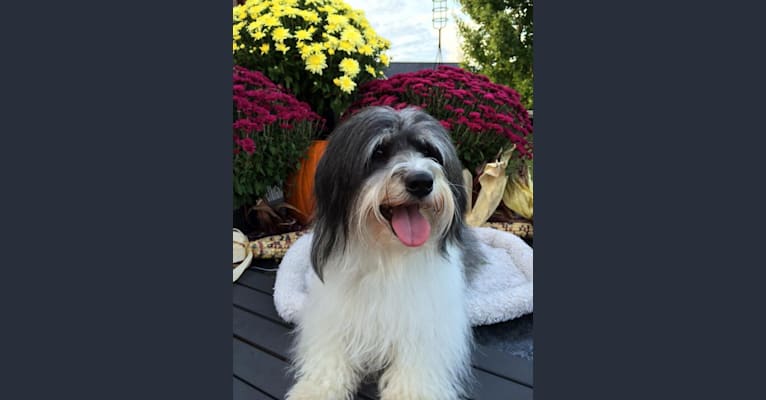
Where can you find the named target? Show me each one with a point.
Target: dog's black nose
(419, 184)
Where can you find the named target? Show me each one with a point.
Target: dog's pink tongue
(410, 225)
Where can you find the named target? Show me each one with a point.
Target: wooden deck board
(507, 366)
(262, 340)
(243, 390)
(260, 369)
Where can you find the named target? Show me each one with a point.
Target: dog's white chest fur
(381, 304)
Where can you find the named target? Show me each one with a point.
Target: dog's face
(388, 178)
(406, 197)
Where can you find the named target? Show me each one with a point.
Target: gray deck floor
(502, 359)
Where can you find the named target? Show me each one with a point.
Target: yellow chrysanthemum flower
(270, 20)
(277, 11)
(292, 12)
(366, 50)
(370, 69)
(310, 16)
(237, 29)
(357, 14)
(331, 42)
(315, 63)
(305, 50)
(350, 34)
(302, 34)
(256, 8)
(363, 24)
(349, 66)
(239, 13)
(338, 19)
(281, 47)
(280, 34)
(336, 22)
(384, 59)
(258, 35)
(264, 48)
(317, 47)
(330, 10)
(370, 33)
(345, 83)
(346, 46)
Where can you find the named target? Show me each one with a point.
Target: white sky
(408, 25)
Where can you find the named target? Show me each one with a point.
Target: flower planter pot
(300, 186)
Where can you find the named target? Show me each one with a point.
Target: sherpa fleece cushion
(500, 291)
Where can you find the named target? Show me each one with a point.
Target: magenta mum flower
(248, 145)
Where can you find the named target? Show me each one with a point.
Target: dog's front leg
(323, 372)
(428, 372)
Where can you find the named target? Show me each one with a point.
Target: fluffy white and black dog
(392, 258)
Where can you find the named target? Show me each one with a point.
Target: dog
(392, 257)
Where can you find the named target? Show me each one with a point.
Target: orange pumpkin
(300, 186)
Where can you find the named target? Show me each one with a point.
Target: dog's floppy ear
(329, 230)
(339, 173)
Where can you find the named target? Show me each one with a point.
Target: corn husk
(468, 183)
(274, 247)
(243, 256)
(524, 230)
(518, 194)
(493, 181)
(240, 246)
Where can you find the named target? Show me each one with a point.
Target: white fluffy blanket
(500, 291)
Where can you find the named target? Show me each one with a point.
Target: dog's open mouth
(408, 223)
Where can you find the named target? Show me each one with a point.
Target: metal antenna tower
(439, 21)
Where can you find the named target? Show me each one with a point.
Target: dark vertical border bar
(117, 196)
(647, 233)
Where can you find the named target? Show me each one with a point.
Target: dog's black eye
(429, 151)
(380, 153)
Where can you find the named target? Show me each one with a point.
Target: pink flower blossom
(248, 145)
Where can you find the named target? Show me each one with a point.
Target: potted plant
(320, 50)
(272, 131)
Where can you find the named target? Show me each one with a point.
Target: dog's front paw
(322, 390)
(418, 393)
(407, 389)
